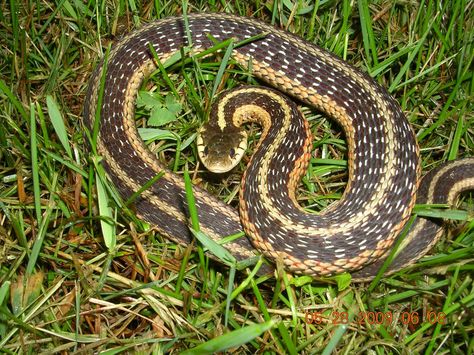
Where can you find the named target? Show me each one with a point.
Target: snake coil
(355, 233)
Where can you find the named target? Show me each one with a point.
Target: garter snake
(353, 234)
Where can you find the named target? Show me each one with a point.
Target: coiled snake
(355, 233)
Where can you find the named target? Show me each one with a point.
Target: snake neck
(222, 141)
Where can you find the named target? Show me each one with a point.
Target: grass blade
(230, 340)
(58, 124)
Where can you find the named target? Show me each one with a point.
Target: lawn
(81, 273)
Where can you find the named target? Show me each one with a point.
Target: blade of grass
(232, 339)
(100, 97)
(216, 249)
(411, 56)
(391, 256)
(106, 223)
(13, 99)
(35, 165)
(367, 34)
(222, 67)
(58, 124)
(456, 142)
(145, 187)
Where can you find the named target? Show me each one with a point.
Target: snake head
(221, 150)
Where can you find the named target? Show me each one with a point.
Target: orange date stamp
(376, 318)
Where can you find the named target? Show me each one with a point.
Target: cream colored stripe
(439, 175)
(458, 187)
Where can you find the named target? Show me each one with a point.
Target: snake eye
(232, 152)
(206, 150)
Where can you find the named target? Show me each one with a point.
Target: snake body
(355, 233)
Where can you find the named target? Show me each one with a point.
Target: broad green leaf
(161, 116)
(148, 100)
(173, 105)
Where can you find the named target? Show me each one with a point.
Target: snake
(354, 234)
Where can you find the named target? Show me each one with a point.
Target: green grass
(73, 279)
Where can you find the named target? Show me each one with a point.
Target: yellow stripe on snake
(354, 234)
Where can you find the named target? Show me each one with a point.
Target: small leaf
(160, 116)
(343, 281)
(301, 280)
(173, 105)
(148, 100)
(175, 108)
